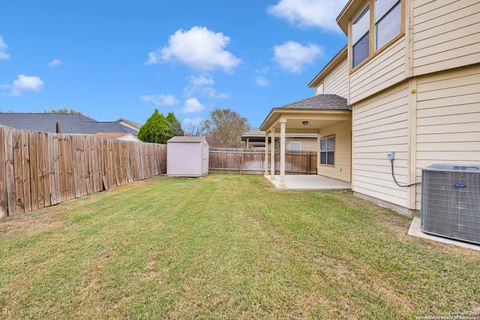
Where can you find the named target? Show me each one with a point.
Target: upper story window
(386, 25)
(387, 21)
(361, 37)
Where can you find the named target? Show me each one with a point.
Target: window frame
(372, 51)
(327, 151)
(367, 33)
(377, 21)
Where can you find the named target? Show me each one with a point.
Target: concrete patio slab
(309, 182)
(415, 231)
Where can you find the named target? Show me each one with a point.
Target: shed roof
(187, 139)
(69, 123)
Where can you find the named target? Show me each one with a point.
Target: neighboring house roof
(117, 136)
(69, 123)
(257, 133)
(187, 139)
(339, 57)
(130, 123)
(114, 135)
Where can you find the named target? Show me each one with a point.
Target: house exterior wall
(448, 119)
(336, 81)
(418, 97)
(382, 71)
(446, 34)
(343, 135)
(380, 125)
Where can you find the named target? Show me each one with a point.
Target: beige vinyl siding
(342, 168)
(381, 124)
(382, 71)
(336, 81)
(446, 34)
(319, 89)
(448, 119)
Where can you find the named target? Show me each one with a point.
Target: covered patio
(330, 118)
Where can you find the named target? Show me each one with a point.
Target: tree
(63, 110)
(175, 124)
(225, 128)
(159, 129)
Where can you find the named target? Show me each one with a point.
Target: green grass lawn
(226, 246)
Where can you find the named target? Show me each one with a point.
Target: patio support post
(272, 154)
(282, 153)
(265, 162)
(318, 153)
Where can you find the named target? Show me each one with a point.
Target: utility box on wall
(187, 157)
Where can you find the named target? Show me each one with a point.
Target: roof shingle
(319, 102)
(69, 123)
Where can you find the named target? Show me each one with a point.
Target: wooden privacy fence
(40, 169)
(252, 161)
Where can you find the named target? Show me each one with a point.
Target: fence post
(309, 159)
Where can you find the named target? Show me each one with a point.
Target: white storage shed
(187, 157)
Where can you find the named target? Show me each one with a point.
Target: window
(361, 37)
(387, 21)
(327, 150)
(386, 25)
(294, 146)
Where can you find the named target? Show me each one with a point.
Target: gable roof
(69, 123)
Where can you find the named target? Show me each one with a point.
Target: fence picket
(250, 161)
(40, 169)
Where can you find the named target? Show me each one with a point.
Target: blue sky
(112, 59)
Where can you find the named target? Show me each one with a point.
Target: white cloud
(3, 47)
(203, 85)
(55, 63)
(25, 83)
(309, 13)
(293, 56)
(261, 81)
(198, 48)
(192, 122)
(192, 105)
(160, 100)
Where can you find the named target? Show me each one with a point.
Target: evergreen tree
(175, 124)
(159, 129)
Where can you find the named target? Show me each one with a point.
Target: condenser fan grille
(451, 201)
